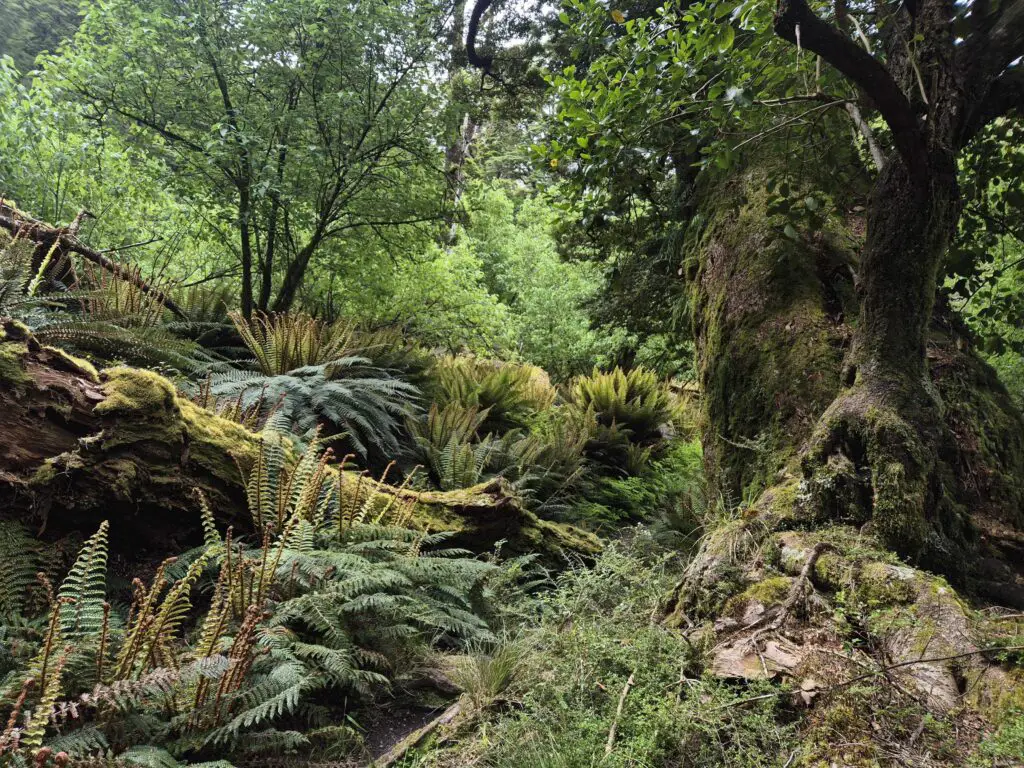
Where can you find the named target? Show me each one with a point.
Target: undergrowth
(244, 646)
(582, 641)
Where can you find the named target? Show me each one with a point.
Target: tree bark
(890, 420)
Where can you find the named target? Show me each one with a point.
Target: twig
(618, 714)
(796, 593)
(133, 245)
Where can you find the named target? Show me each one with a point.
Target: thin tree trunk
(455, 176)
(245, 241)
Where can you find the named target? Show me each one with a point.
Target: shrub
(510, 394)
(583, 640)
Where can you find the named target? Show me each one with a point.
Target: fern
(509, 394)
(284, 342)
(346, 395)
(84, 589)
(20, 559)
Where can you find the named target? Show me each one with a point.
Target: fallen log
(59, 241)
(80, 446)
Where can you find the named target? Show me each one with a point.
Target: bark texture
(817, 402)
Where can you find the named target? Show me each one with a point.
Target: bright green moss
(768, 592)
(216, 443)
(78, 364)
(139, 392)
(12, 369)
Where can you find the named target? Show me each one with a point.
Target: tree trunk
(843, 419)
(877, 446)
(245, 238)
(890, 421)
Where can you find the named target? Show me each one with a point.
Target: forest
(512, 383)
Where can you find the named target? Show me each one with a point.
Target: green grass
(582, 641)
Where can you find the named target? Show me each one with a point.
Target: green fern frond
(84, 590)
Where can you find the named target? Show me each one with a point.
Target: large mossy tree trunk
(847, 423)
(837, 392)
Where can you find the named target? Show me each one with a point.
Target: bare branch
(16, 222)
(476, 58)
(797, 23)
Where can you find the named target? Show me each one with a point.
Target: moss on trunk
(791, 411)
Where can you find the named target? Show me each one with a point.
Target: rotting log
(80, 446)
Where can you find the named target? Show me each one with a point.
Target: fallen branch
(19, 224)
(797, 593)
(618, 714)
(398, 751)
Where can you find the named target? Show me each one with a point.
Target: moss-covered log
(81, 446)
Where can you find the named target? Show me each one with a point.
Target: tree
(292, 124)
(30, 27)
(670, 122)
(935, 90)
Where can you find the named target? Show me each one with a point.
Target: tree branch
(1005, 42)
(1005, 96)
(15, 222)
(475, 58)
(797, 23)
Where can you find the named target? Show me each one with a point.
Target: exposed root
(797, 594)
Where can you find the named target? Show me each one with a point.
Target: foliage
(665, 494)
(302, 146)
(108, 318)
(582, 641)
(551, 301)
(630, 412)
(348, 396)
(30, 27)
(327, 598)
(283, 342)
(508, 394)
